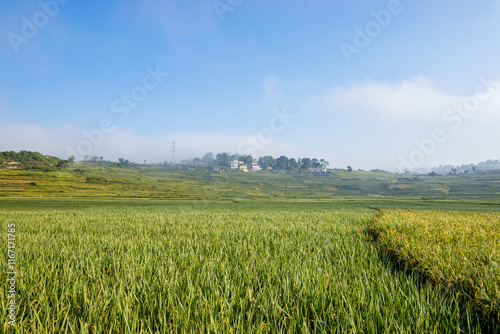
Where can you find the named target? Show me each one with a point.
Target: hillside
(30, 160)
(94, 180)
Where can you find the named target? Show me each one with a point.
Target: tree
(222, 159)
(282, 162)
(432, 174)
(292, 164)
(197, 161)
(62, 164)
(349, 168)
(247, 160)
(71, 159)
(208, 158)
(324, 163)
(122, 162)
(315, 163)
(266, 161)
(306, 163)
(85, 157)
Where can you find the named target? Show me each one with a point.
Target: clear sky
(371, 84)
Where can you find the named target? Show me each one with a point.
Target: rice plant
(239, 268)
(458, 251)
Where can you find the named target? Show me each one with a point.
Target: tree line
(280, 163)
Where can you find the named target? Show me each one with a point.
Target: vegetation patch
(30, 161)
(8, 185)
(95, 179)
(457, 251)
(92, 266)
(400, 186)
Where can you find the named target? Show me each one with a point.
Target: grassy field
(88, 180)
(149, 250)
(455, 250)
(157, 266)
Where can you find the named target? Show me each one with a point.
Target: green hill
(51, 177)
(30, 161)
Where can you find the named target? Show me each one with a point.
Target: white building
(317, 170)
(234, 164)
(256, 168)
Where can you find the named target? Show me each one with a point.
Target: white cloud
(404, 115)
(125, 143)
(128, 144)
(308, 134)
(490, 107)
(32, 137)
(411, 99)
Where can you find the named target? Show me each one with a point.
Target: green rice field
(251, 267)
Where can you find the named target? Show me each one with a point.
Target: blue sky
(67, 67)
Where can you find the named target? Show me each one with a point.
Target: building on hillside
(234, 164)
(317, 170)
(244, 168)
(255, 168)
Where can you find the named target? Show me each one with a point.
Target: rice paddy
(457, 251)
(229, 268)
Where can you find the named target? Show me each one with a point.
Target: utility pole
(173, 152)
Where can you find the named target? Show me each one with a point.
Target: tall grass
(458, 251)
(226, 269)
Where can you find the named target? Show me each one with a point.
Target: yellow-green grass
(458, 251)
(91, 181)
(224, 268)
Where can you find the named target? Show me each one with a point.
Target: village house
(317, 170)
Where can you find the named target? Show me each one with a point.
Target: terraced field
(92, 180)
(16, 184)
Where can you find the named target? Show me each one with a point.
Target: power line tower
(173, 152)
